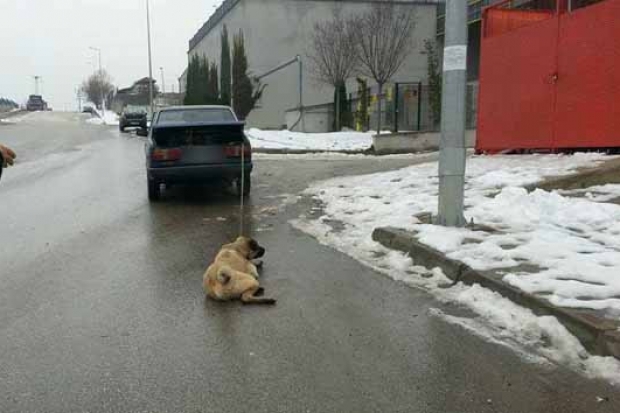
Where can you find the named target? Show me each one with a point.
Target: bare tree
(97, 87)
(332, 55)
(383, 38)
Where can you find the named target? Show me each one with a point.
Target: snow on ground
(283, 139)
(573, 240)
(109, 118)
(14, 119)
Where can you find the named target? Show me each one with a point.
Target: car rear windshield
(195, 116)
(135, 109)
(198, 135)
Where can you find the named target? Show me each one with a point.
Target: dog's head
(249, 248)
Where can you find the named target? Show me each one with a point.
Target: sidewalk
(557, 253)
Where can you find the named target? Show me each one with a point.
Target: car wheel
(154, 190)
(122, 128)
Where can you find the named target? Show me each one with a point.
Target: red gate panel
(588, 95)
(517, 96)
(552, 84)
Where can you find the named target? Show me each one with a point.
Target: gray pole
(301, 93)
(98, 50)
(163, 80)
(452, 154)
(148, 30)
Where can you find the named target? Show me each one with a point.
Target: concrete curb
(607, 173)
(367, 152)
(285, 151)
(597, 335)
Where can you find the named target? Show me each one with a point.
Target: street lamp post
(163, 80)
(98, 50)
(453, 116)
(148, 31)
(78, 92)
(98, 55)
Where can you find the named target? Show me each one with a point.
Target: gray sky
(51, 38)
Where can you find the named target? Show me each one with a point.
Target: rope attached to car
(242, 190)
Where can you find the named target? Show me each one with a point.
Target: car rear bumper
(197, 173)
(133, 122)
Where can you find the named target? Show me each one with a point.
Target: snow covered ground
(574, 241)
(14, 119)
(109, 118)
(337, 141)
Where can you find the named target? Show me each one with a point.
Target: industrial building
(279, 30)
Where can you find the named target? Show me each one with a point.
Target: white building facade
(276, 31)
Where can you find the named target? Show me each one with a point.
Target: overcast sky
(51, 38)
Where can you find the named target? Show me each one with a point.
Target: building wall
(183, 82)
(278, 30)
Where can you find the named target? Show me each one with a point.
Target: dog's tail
(224, 275)
(252, 299)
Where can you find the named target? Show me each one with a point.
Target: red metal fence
(550, 76)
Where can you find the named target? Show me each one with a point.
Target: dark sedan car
(133, 116)
(197, 144)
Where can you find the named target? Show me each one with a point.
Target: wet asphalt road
(101, 307)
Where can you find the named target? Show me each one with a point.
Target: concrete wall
(278, 30)
(414, 142)
(318, 119)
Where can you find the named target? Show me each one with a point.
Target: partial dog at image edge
(233, 275)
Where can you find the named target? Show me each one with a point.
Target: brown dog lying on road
(233, 275)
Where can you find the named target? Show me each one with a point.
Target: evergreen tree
(204, 72)
(225, 88)
(214, 93)
(343, 106)
(245, 91)
(192, 93)
(435, 81)
(362, 117)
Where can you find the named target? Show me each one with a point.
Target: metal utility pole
(79, 98)
(148, 30)
(98, 55)
(453, 117)
(96, 49)
(163, 80)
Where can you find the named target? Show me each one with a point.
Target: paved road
(101, 308)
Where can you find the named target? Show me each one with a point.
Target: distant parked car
(197, 144)
(36, 103)
(88, 109)
(133, 116)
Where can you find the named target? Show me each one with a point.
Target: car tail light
(173, 154)
(234, 151)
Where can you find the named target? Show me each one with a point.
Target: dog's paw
(260, 292)
(258, 263)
